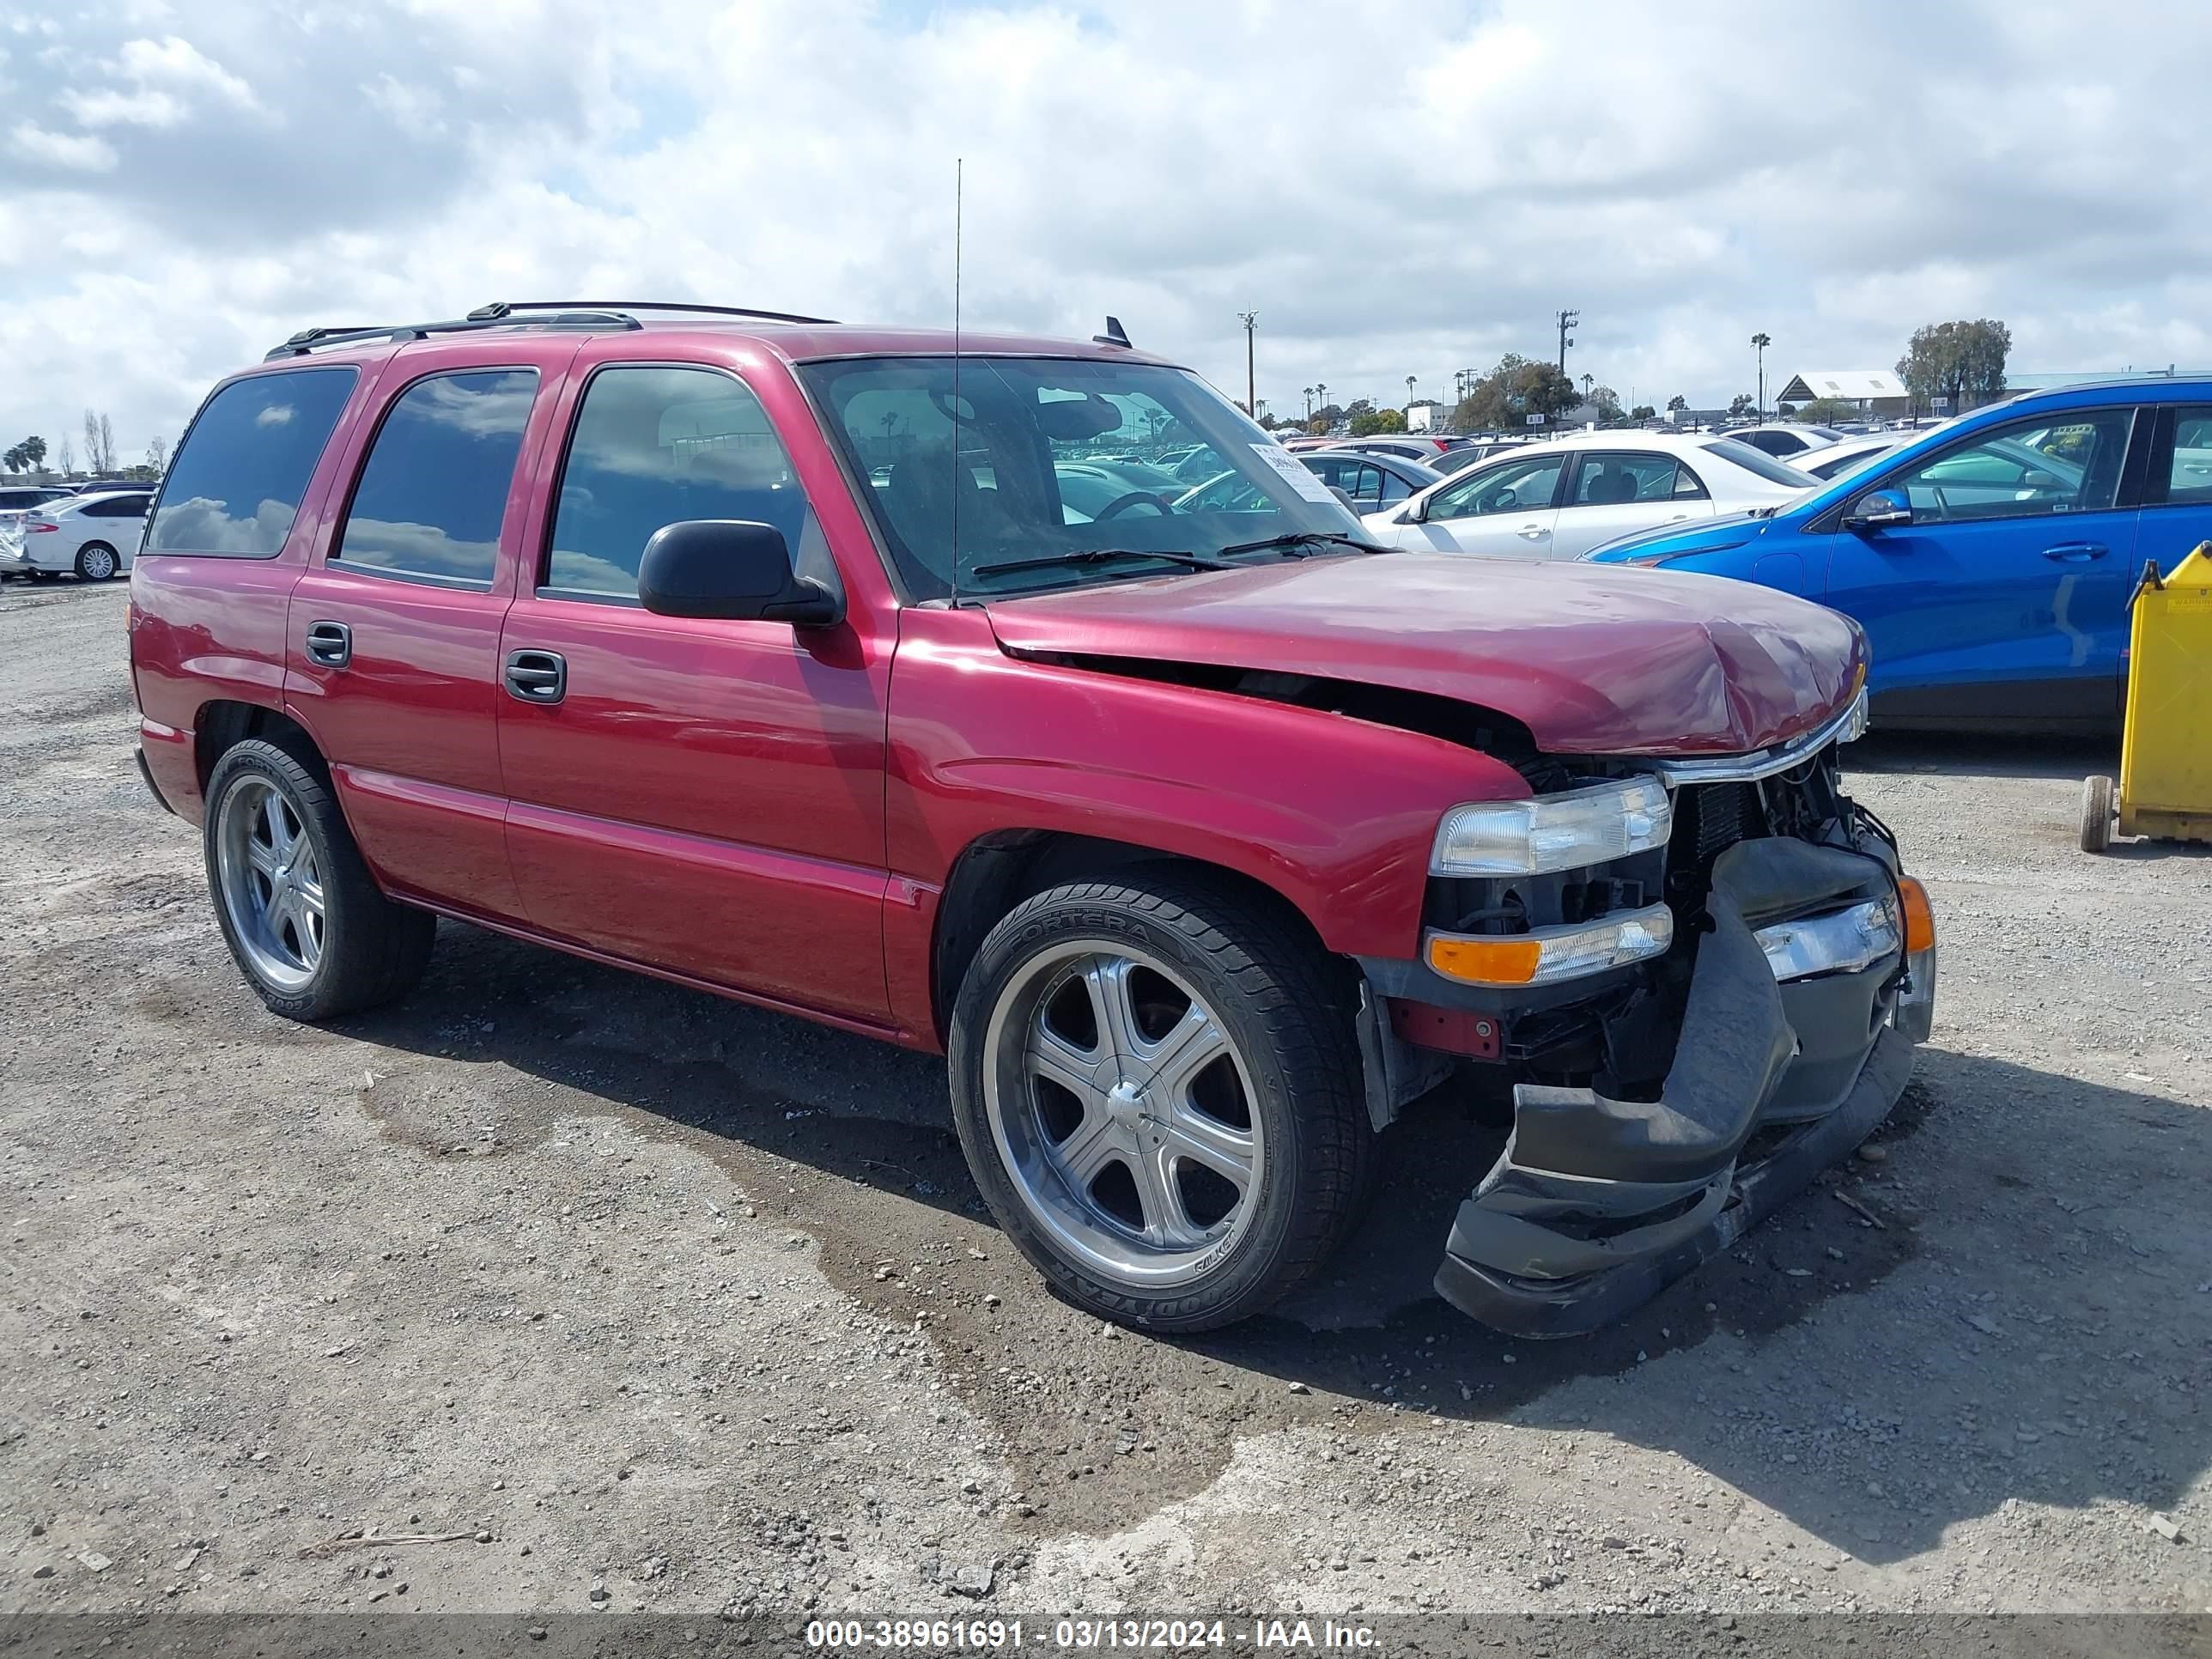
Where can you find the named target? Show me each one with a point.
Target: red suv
(769, 656)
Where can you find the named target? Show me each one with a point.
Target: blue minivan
(1990, 561)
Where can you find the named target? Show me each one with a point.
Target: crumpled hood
(1680, 540)
(1592, 660)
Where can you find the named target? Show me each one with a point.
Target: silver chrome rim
(1123, 1113)
(271, 886)
(99, 564)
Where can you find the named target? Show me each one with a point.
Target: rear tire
(303, 919)
(96, 562)
(2096, 814)
(1158, 1091)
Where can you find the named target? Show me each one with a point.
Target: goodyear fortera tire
(2096, 814)
(1157, 1089)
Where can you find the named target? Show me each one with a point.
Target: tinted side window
(1608, 478)
(654, 446)
(234, 488)
(2190, 479)
(121, 506)
(432, 492)
(2045, 464)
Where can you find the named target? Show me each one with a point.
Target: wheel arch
(997, 871)
(223, 723)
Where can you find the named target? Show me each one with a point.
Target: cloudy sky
(1396, 190)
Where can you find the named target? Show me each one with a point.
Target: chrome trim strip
(1849, 723)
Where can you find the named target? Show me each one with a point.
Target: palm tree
(1761, 342)
(1309, 395)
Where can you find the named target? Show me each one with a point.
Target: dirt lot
(629, 1295)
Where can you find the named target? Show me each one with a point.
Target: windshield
(1055, 457)
(1758, 461)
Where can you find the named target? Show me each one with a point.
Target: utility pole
(1250, 319)
(1761, 342)
(1567, 321)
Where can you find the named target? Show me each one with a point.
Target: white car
(92, 535)
(1558, 501)
(1830, 462)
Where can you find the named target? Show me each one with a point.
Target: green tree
(1515, 390)
(1642, 412)
(1608, 402)
(1372, 421)
(1822, 411)
(1963, 361)
(34, 452)
(13, 461)
(1742, 403)
(1677, 401)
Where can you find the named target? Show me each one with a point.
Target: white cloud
(1412, 197)
(76, 154)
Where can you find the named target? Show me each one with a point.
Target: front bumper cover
(1597, 1204)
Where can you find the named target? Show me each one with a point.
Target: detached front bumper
(1597, 1204)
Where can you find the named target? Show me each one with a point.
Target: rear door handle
(2075, 552)
(537, 676)
(330, 643)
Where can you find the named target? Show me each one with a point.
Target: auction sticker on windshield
(1301, 478)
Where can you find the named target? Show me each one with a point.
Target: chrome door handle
(330, 643)
(2075, 552)
(1532, 532)
(537, 676)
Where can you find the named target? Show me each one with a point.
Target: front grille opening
(1708, 819)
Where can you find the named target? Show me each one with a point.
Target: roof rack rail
(500, 308)
(315, 339)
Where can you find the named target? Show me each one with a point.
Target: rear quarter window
(234, 488)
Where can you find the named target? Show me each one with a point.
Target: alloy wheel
(272, 885)
(1122, 1112)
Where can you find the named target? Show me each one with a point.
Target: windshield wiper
(1297, 538)
(1087, 555)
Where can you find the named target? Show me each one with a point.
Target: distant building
(1869, 391)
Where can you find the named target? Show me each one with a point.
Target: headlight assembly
(1567, 832)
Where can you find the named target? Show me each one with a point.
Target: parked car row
(90, 532)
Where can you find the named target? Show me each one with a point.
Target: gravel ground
(609, 1293)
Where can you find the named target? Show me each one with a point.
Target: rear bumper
(146, 775)
(1597, 1204)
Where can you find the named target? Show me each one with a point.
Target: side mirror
(732, 569)
(1879, 509)
(2036, 479)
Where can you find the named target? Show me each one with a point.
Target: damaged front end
(1695, 1023)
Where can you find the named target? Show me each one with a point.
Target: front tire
(96, 562)
(303, 919)
(1158, 1089)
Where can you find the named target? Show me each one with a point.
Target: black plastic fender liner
(1538, 1308)
(1734, 1044)
(1597, 1203)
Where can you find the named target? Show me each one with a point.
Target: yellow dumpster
(2166, 752)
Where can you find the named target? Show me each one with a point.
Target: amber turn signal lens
(1486, 961)
(1919, 916)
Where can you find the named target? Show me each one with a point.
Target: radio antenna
(959, 168)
